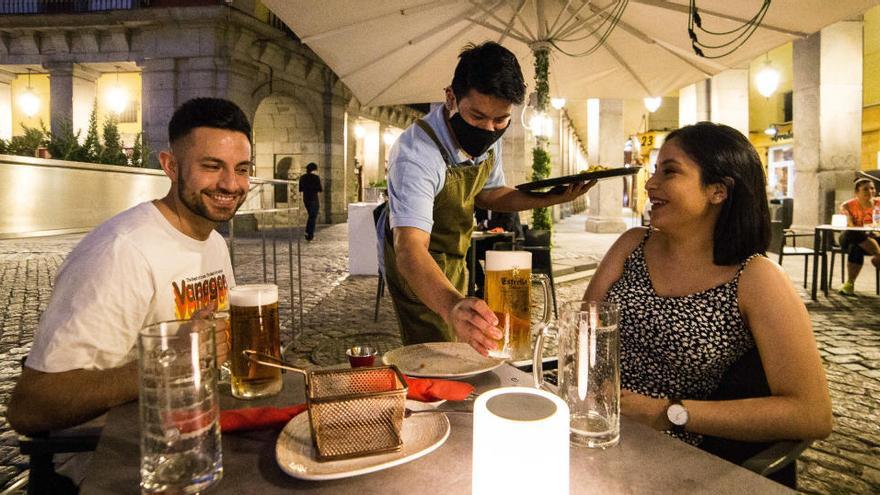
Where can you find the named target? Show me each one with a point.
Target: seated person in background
(859, 211)
(161, 260)
(696, 293)
(492, 220)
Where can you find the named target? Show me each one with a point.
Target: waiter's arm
(508, 199)
(470, 317)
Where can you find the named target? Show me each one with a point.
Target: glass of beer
(253, 315)
(509, 280)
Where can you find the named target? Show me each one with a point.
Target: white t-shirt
(133, 270)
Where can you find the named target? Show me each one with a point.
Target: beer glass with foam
(509, 280)
(253, 315)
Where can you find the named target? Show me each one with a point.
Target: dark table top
(645, 461)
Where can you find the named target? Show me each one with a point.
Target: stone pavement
(338, 311)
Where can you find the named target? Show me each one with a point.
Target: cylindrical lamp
(520, 443)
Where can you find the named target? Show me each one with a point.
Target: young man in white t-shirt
(161, 260)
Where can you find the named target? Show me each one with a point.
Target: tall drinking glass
(588, 370)
(253, 316)
(179, 411)
(509, 280)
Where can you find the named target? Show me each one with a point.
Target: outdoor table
(479, 235)
(821, 244)
(645, 461)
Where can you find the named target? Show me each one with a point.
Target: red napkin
(429, 390)
(258, 418)
(497, 230)
(265, 418)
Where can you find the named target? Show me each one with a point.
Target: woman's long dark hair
(727, 157)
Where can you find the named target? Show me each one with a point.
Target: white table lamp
(838, 220)
(520, 443)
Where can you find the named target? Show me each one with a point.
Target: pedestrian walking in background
(310, 186)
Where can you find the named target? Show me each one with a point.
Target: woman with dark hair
(696, 294)
(859, 212)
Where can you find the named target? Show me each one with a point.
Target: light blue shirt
(417, 172)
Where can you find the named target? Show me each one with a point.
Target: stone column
(827, 88)
(72, 94)
(606, 198)
(6, 103)
(350, 120)
(335, 174)
(158, 100)
(693, 103)
(383, 151)
(729, 98)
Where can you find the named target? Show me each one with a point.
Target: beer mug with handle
(588, 370)
(181, 450)
(509, 279)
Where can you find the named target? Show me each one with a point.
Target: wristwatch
(677, 415)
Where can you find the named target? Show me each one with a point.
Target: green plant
(541, 218)
(379, 184)
(92, 149)
(27, 144)
(112, 152)
(542, 77)
(140, 152)
(64, 144)
(4, 147)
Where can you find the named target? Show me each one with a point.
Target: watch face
(677, 414)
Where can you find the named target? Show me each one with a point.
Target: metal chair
(773, 460)
(380, 239)
(779, 238)
(41, 448)
(836, 249)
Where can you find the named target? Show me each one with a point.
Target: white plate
(440, 360)
(295, 453)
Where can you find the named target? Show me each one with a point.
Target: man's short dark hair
(207, 112)
(311, 167)
(491, 70)
(727, 157)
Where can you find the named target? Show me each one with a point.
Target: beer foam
(253, 295)
(508, 260)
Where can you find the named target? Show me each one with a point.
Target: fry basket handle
(255, 357)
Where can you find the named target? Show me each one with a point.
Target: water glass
(179, 408)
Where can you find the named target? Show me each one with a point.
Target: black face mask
(473, 140)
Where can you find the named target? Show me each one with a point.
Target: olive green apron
(450, 239)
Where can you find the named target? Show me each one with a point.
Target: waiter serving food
(438, 170)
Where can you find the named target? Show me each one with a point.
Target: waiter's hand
(475, 324)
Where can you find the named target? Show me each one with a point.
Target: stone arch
(287, 136)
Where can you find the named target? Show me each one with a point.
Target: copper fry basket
(352, 412)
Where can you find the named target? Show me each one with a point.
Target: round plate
(295, 453)
(440, 360)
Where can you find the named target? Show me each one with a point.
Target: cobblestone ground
(338, 311)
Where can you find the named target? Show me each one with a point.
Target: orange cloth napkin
(497, 230)
(264, 418)
(429, 390)
(258, 418)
